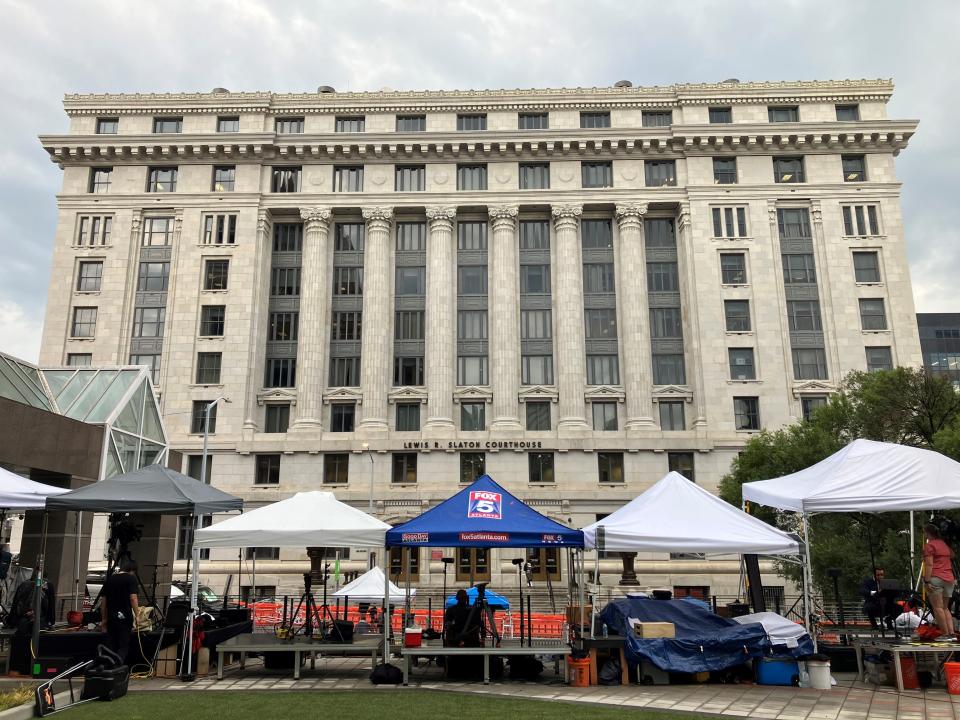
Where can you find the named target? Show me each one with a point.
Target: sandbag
(386, 674)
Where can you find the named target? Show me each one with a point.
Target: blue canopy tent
(496, 601)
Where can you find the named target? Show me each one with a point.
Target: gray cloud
(50, 48)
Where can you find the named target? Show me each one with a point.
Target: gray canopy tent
(151, 489)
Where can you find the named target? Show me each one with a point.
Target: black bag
(610, 672)
(525, 667)
(105, 684)
(386, 674)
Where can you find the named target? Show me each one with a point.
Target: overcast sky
(50, 48)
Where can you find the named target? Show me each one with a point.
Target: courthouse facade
(573, 290)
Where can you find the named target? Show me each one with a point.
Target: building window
(741, 364)
(472, 466)
(603, 370)
(720, 115)
(79, 359)
(350, 124)
(267, 470)
(600, 323)
(681, 462)
(151, 362)
(471, 177)
(411, 280)
(669, 369)
(472, 370)
(289, 126)
(348, 281)
(472, 325)
(283, 326)
(725, 171)
(472, 280)
(804, 316)
(879, 358)
(410, 178)
(160, 180)
(848, 113)
(94, 230)
(809, 404)
(661, 277)
(604, 416)
(672, 415)
(408, 417)
(536, 370)
(534, 235)
(746, 412)
(854, 168)
(285, 180)
(860, 220)
(472, 235)
(153, 276)
(89, 275)
(411, 123)
(219, 229)
(208, 368)
(809, 364)
(798, 269)
(212, 320)
(533, 121)
(346, 325)
(348, 237)
(281, 372)
(404, 468)
(866, 267)
(793, 224)
(536, 325)
(733, 268)
(540, 467)
(342, 417)
(596, 174)
(224, 178)
(666, 323)
(783, 113)
(657, 118)
(168, 124)
(476, 121)
(538, 416)
(157, 231)
(198, 418)
(408, 371)
(596, 234)
(287, 237)
(216, 274)
(535, 176)
(185, 528)
(729, 222)
(589, 120)
(610, 467)
(408, 325)
(277, 418)
(345, 372)
(658, 173)
(872, 314)
(228, 124)
(262, 553)
(100, 180)
(107, 126)
(348, 179)
(473, 416)
(788, 170)
(737, 314)
(148, 322)
(336, 468)
(535, 279)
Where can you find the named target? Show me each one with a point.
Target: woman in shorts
(939, 580)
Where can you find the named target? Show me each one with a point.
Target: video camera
(124, 531)
(949, 528)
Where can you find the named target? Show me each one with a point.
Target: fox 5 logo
(484, 504)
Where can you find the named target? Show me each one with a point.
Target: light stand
(446, 561)
(519, 563)
(834, 574)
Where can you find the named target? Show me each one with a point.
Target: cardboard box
(654, 630)
(573, 614)
(166, 666)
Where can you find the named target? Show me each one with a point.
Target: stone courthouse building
(573, 290)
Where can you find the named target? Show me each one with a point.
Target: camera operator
(119, 607)
(939, 579)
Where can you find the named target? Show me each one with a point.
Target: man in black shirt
(119, 606)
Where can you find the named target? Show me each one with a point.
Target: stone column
(375, 365)
(441, 326)
(689, 302)
(312, 340)
(504, 319)
(260, 309)
(570, 365)
(634, 317)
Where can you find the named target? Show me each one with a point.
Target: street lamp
(366, 449)
(195, 550)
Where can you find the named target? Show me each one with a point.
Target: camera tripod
(480, 615)
(122, 533)
(316, 617)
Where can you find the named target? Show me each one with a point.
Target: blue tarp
(496, 601)
(483, 515)
(704, 641)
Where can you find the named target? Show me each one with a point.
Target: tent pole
(253, 588)
(385, 616)
(582, 608)
(596, 582)
(807, 579)
(913, 547)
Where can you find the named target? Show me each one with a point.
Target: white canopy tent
(368, 588)
(20, 493)
(676, 515)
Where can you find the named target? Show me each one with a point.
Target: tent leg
(194, 580)
(913, 547)
(596, 581)
(253, 586)
(582, 613)
(807, 579)
(385, 616)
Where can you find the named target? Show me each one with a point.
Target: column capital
(263, 221)
(316, 215)
(503, 213)
(441, 212)
(630, 211)
(565, 215)
(374, 214)
(816, 212)
(683, 218)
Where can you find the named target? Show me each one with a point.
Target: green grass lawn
(395, 704)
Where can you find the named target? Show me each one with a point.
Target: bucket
(952, 670)
(819, 672)
(908, 674)
(413, 637)
(578, 672)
